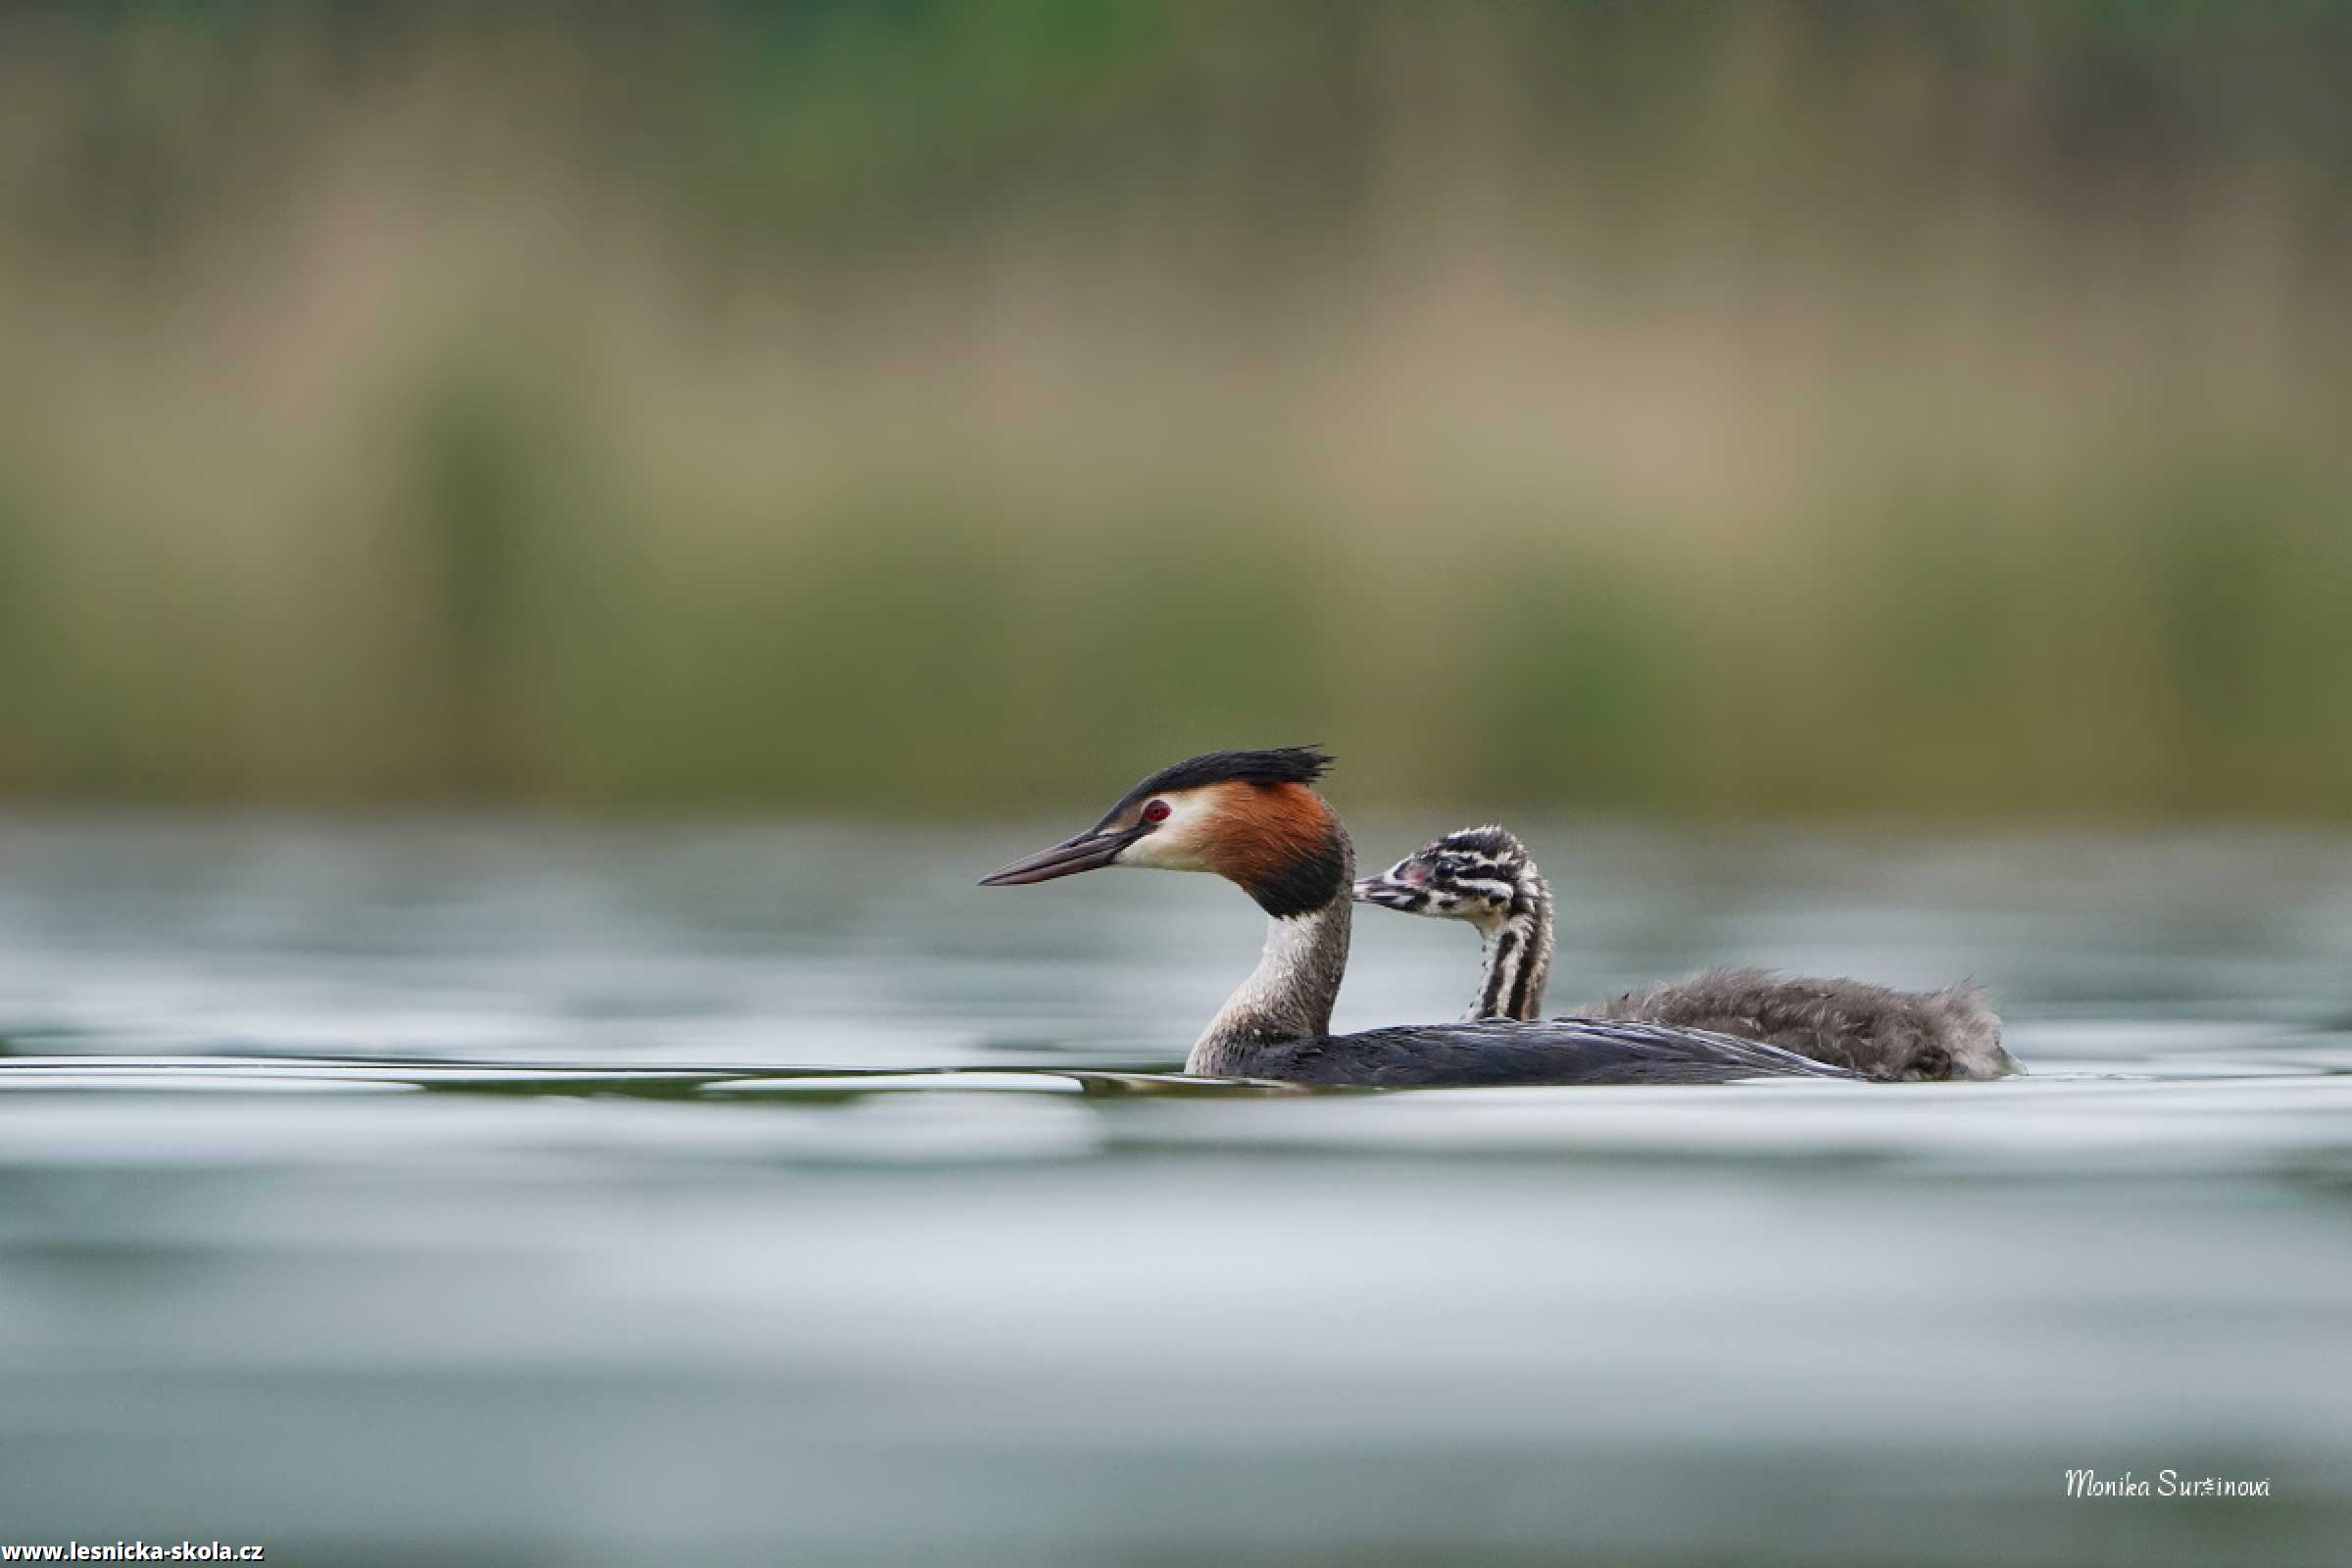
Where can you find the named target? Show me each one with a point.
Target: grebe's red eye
(1157, 811)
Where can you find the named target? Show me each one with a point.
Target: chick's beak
(1390, 893)
(1086, 853)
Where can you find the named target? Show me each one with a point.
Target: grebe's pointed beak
(1087, 852)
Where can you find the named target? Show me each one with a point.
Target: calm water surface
(517, 1190)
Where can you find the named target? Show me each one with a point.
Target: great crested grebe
(1251, 818)
(1485, 876)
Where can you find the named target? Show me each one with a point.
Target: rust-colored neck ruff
(1281, 843)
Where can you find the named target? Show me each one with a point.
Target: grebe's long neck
(1518, 952)
(1290, 995)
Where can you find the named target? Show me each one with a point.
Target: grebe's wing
(1549, 1051)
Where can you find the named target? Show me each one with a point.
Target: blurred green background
(1929, 410)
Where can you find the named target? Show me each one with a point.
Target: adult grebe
(1251, 818)
(1483, 875)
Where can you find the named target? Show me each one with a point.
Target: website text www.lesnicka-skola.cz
(134, 1552)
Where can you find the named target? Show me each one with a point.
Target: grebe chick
(1485, 876)
(1253, 818)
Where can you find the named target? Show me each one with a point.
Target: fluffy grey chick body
(1873, 1030)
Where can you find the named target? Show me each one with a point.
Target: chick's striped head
(1480, 874)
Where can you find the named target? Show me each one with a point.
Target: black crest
(1282, 765)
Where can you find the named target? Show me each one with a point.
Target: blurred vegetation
(1934, 408)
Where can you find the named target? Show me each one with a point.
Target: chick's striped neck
(1518, 948)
